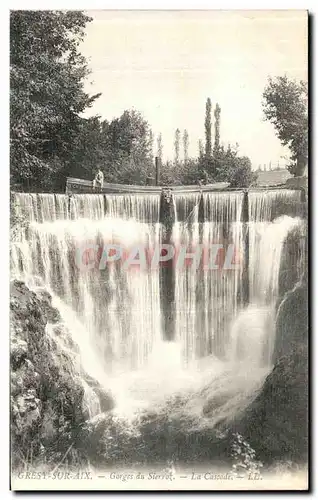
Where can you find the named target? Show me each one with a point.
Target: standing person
(99, 179)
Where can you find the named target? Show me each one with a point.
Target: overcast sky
(165, 64)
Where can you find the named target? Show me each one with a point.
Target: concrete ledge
(78, 186)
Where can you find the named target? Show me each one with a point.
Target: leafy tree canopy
(47, 75)
(50, 138)
(285, 104)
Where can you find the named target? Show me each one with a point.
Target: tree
(151, 141)
(200, 148)
(240, 173)
(168, 173)
(177, 146)
(128, 149)
(47, 75)
(217, 117)
(89, 149)
(180, 174)
(285, 105)
(207, 123)
(226, 166)
(159, 147)
(185, 145)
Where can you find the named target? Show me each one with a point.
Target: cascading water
(143, 208)
(26, 206)
(61, 206)
(253, 333)
(268, 229)
(87, 206)
(222, 286)
(114, 313)
(118, 310)
(207, 299)
(186, 233)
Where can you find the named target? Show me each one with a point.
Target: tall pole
(166, 270)
(157, 163)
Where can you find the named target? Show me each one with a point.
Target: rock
(26, 414)
(293, 262)
(93, 437)
(25, 307)
(52, 314)
(292, 321)
(276, 422)
(105, 399)
(292, 306)
(19, 350)
(47, 385)
(46, 392)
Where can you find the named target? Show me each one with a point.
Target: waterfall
(88, 206)
(186, 207)
(61, 206)
(270, 204)
(207, 299)
(115, 314)
(266, 241)
(26, 205)
(117, 311)
(186, 233)
(41, 207)
(47, 207)
(253, 333)
(222, 286)
(143, 208)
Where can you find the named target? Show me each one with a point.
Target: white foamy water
(220, 351)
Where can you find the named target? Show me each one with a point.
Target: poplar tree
(217, 119)
(185, 145)
(208, 124)
(177, 146)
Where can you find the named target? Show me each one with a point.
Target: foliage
(207, 125)
(185, 145)
(285, 106)
(201, 149)
(227, 166)
(181, 173)
(50, 138)
(217, 118)
(151, 144)
(159, 147)
(127, 149)
(177, 146)
(243, 456)
(122, 149)
(217, 165)
(240, 173)
(88, 149)
(47, 76)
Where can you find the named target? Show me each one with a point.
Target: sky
(166, 63)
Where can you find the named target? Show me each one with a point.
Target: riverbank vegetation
(51, 139)
(51, 395)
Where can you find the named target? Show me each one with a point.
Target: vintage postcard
(158, 250)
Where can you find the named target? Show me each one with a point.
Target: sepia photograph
(159, 250)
